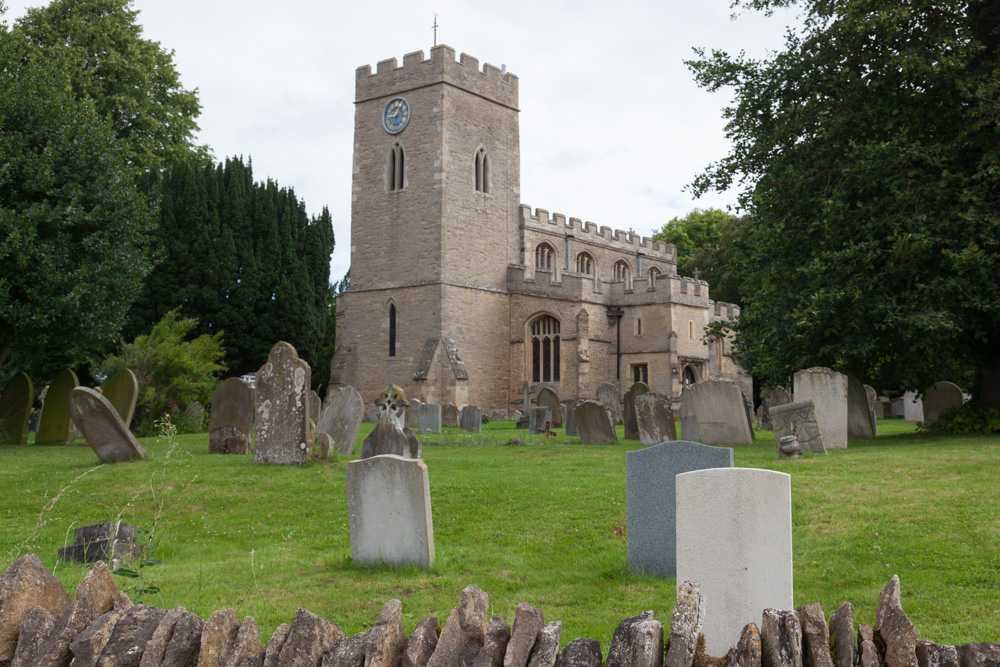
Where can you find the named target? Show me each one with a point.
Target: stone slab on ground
(654, 419)
(341, 418)
(594, 423)
(103, 428)
(55, 426)
(282, 402)
(721, 413)
(828, 391)
(230, 427)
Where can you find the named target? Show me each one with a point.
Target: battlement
(725, 311)
(629, 242)
(389, 78)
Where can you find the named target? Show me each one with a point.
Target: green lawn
(542, 523)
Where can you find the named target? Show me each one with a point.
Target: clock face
(396, 115)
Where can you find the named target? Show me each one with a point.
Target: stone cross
(696, 274)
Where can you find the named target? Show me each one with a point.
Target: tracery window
(482, 171)
(621, 271)
(543, 256)
(544, 334)
(396, 167)
(585, 263)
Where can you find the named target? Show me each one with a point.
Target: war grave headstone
(449, 415)
(607, 395)
(828, 391)
(102, 541)
(654, 418)
(628, 409)
(122, 390)
(572, 428)
(734, 536)
(594, 424)
(471, 419)
(55, 424)
(689, 420)
(770, 398)
(650, 493)
(389, 509)
(282, 408)
(860, 417)
(798, 419)
(540, 419)
(940, 397)
(913, 407)
(15, 409)
(230, 427)
(103, 427)
(549, 399)
(721, 413)
(341, 418)
(389, 437)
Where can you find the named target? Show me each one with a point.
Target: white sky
(612, 126)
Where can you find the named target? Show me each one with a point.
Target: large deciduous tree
(868, 158)
(704, 242)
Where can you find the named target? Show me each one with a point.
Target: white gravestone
(913, 407)
(828, 391)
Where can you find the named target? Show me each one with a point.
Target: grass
(540, 523)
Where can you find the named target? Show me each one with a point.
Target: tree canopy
(703, 239)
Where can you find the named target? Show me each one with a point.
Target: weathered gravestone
(282, 402)
(540, 419)
(650, 492)
(55, 427)
(896, 408)
(389, 437)
(628, 409)
(941, 396)
(389, 508)
(734, 536)
(689, 421)
(15, 409)
(341, 418)
(428, 418)
(828, 391)
(654, 418)
(572, 428)
(798, 419)
(498, 415)
(860, 417)
(607, 395)
(721, 413)
(449, 415)
(471, 419)
(122, 390)
(872, 397)
(315, 408)
(770, 398)
(103, 427)
(549, 399)
(230, 429)
(102, 541)
(411, 414)
(322, 447)
(913, 407)
(594, 424)
(881, 407)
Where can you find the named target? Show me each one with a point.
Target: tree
(73, 227)
(867, 156)
(703, 239)
(321, 370)
(132, 81)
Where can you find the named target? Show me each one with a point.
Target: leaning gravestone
(55, 427)
(654, 418)
(721, 413)
(607, 395)
(628, 410)
(389, 509)
(282, 402)
(913, 407)
(449, 415)
(594, 423)
(122, 390)
(549, 399)
(734, 536)
(15, 409)
(828, 391)
(798, 419)
(941, 396)
(471, 419)
(689, 420)
(860, 416)
(428, 418)
(650, 493)
(103, 427)
(230, 428)
(341, 419)
(872, 397)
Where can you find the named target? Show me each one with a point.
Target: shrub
(966, 419)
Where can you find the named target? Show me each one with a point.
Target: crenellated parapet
(417, 72)
(626, 242)
(724, 311)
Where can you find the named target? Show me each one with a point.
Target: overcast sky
(612, 126)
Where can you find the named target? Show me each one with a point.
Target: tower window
(621, 271)
(638, 326)
(640, 373)
(585, 264)
(543, 256)
(396, 170)
(482, 171)
(392, 330)
(690, 329)
(544, 333)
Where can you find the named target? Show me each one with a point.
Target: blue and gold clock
(396, 115)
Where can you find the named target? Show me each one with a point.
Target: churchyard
(543, 523)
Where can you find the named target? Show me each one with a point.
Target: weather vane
(435, 26)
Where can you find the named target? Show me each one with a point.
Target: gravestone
(389, 437)
(913, 407)
(628, 409)
(607, 395)
(15, 409)
(828, 391)
(860, 416)
(941, 396)
(549, 399)
(412, 414)
(654, 418)
(734, 537)
(449, 415)
(896, 408)
(429, 418)
(594, 424)
(541, 417)
(322, 447)
(650, 493)
(471, 419)
(882, 406)
(572, 428)
(872, 397)
(230, 428)
(498, 415)
(315, 406)
(282, 408)
(102, 541)
(341, 419)
(689, 420)
(721, 413)
(371, 416)
(103, 427)
(799, 419)
(770, 398)
(392, 404)
(389, 509)
(122, 390)
(55, 424)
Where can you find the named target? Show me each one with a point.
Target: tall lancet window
(544, 334)
(392, 330)
(396, 171)
(482, 171)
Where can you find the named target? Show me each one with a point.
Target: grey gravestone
(654, 418)
(872, 396)
(282, 402)
(628, 411)
(650, 493)
(882, 407)
(230, 429)
(498, 415)
(387, 439)
(860, 417)
(315, 406)
(429, 418)
(471, 419)
(594, 423)
(799, 419)
(416, 447)
(689, 420)
(607, 395)
(55, 424)
(103, 427)
(121, 390)
(721, 413)
(770, 398)
(15, 409)
(828, 391)
(896, 406)
(571, 426)
(102, 541)
(449, 415)
(412, 412)
(371, 416)
(941, 396)
(540, 417)
(389, 508)
(549, 399)
(341, 419)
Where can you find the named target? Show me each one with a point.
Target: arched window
(482, 171)
(689, 376)
(544, 334)
(396, 171)
(392, 330)
(585, 264)
(543, 256)
(621, 271)
(653, 273)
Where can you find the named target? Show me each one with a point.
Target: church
(460, 293)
